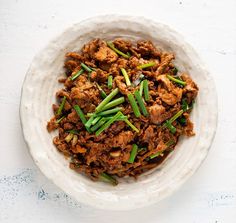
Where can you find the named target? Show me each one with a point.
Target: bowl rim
(95, 19)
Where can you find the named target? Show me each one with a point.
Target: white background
(27, 26)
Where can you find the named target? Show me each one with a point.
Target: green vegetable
(108, 123)
(102, 92)
(146, 91)
(121, 118)
(96, 120)
(89, 122)
(184, 105)
(127, 80)
(133, 153)
(108, 178)
(109, 81)
(131, 125)
(86, 67)
(77, 74)
(80, 114)
(108, 112)
(106, 100)
(143, 66)
(182, 121)
(134, 105)
(155, 155)
(183, 83)
(113, 103)
(73, 131)
(98, 124)
(69, 137)
(60, 119)
(141, 89)
(177, 115)
(170, 127)
(175, 70)
(170, 143)
(59, 111)
(141, 103)
(111, 45)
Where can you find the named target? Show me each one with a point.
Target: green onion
(143, 66)
(69, 137)
(60, 119)
(138, 80)
(142, 149)
(176, 80)
(80, 114)
(108, 112)
(73, 131)
(59, 111)
(121, 118)
(170, 143)
(89, 122)
(127, 80)
(109, 81)
(177, 115)
(86, 67)
(90, 114)
(98, 124)
(106, 100)
(170, 127)
(108, 123)
(107, 178)
(102, 92)
(175, 70)
(145, 89)
(96, 120)
(131, 125)
(141, 103)
(141, 89)
(134, 105)
(155, 155)
(184, 105)
(77, 74)
(182, 121)
(133, 153)
(114, 103)
(111, 45)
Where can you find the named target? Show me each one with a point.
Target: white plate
(38, 94)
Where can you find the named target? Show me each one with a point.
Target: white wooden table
(27, 196)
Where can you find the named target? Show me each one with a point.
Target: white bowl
(38, 94)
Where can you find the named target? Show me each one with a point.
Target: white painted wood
(26, 26)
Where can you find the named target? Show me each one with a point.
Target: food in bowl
(123, 107)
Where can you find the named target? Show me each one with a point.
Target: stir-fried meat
(146, 113)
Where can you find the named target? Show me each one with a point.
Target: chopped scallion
(107, 178)
(111, 45)
(98, 124)
(141, 103)
(176, 80)
(59, 111)
(109, 81)
(85, 67)
(143, 66)
(133, 153)
(141, 89)
(106, 100)
(108, 112)
(113, 103)
(77, 74)
(127, 80)
(134, 105)
(102, 92)
(145, 89)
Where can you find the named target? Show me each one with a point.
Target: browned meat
(110, 151)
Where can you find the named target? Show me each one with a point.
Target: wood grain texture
(26, 26)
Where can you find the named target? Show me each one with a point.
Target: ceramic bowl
(38, 94)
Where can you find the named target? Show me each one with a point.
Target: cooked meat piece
(168, 92)
(105, 54)
(190, 90)
(158, 114)
(123, 45)
(104, 147)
